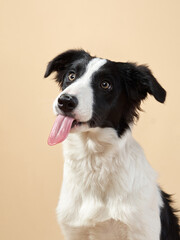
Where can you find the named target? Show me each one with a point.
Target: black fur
(169, 221)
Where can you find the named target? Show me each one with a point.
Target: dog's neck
(99, 140)
(96, 142)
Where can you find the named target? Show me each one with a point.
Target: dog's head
(98, 92)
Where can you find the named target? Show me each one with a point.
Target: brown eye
(106, 85)
(72, 77)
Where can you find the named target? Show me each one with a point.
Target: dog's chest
(91, 165)
(99, 181)
(87, 178)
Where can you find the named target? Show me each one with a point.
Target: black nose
(67, 103)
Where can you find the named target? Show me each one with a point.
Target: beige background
(32, 33)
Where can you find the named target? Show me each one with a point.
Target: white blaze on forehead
(82, 89)
(93, 66)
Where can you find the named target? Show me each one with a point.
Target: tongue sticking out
(60, 129)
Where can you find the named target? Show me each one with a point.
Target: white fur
(108, 184)
(82, 89)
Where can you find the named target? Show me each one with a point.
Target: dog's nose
(67, 103)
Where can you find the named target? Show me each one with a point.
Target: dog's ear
(139, 81)
(61, 61)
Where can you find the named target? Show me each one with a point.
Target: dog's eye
(72, 77)
(106, 85)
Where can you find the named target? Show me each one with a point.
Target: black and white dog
(109, 190)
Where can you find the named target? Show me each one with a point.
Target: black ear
(52, 66)
(139, 81)
(61, 61)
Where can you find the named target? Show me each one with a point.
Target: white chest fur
(106, 177)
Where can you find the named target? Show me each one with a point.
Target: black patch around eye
(77, 67)
(66, 82)
(103, 81)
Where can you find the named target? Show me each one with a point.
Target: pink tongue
(60, 130)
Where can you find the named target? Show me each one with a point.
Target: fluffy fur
(109, 190)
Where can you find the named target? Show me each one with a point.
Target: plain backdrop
(32, 33)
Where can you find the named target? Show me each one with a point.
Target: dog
(109, 190)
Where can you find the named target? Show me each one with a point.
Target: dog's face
(100, 93)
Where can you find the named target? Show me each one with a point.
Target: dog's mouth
(61, 128)
(76, 123)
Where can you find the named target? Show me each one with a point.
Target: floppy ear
(61, 61)
(139, 81)
(52, 66)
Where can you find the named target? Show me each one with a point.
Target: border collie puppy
(109, 190)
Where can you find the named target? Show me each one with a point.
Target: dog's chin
(79, 127)
(82, 126)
